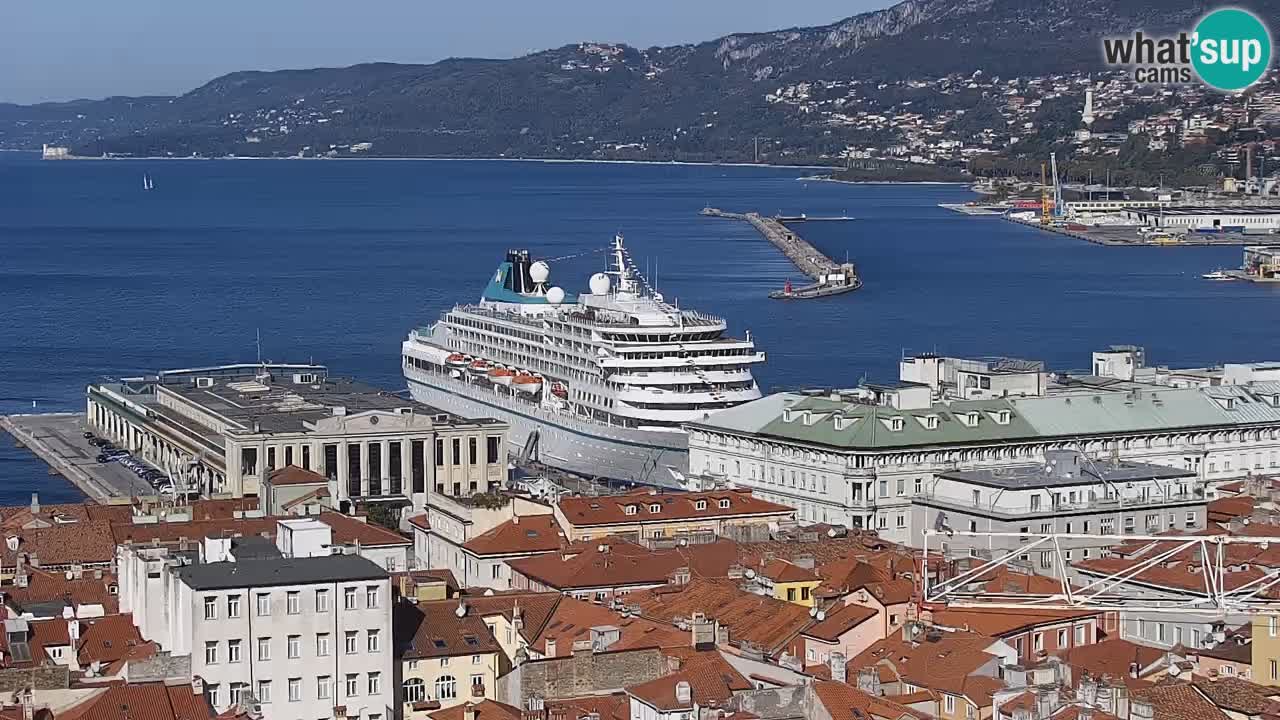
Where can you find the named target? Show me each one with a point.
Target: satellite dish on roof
(822, 615)
(750, 574)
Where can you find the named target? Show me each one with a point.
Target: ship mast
(626, 283)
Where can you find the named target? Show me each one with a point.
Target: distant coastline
(816, 178)
(446, 159)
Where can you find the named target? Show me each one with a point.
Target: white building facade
(225, 429)
(294, 634)
(838, 459)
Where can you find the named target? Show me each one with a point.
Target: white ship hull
(575, 444)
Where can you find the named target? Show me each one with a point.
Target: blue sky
(64, 49)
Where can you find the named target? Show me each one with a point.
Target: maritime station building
(227, 431)
(889, 457)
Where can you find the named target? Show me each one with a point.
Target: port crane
(1121, 590)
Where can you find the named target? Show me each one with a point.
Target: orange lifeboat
(480, 367)
(559, 390)
(456, 360)
(501, 376)
(526, 383)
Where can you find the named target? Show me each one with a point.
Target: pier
(829, 277)
(58, 440)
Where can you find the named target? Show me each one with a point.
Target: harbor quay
(58, 439)
(829, 277)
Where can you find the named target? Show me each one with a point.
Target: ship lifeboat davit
(526, 383)
(480, 367)
(501, 376)
(456, 360)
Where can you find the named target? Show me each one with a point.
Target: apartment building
(286, 627)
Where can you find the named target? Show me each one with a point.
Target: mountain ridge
(696, 101)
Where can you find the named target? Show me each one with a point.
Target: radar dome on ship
(539, 272)
(555, 295)
(599, 284)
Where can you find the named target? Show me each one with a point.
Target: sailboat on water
(147, 184)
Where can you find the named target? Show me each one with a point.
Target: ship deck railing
(684, 318)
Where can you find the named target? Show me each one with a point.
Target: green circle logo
(1232, 49)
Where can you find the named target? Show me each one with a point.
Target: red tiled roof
(611, 510)
(434, 630)
(712, 683)
(1110, 657)
(141, 701)
(626, 564)
(111, 639)
(484, 710)
(1176, 577)
(782, 571)
(767, 622)
(572, 620)
(1006, 622)
(519, 536)
(822, 672)
(42, 635)
(420, 522)
(605, 707)
(46, 587)
(846, 702)
(346, 530)
(839, 621)
(405, 579)
(294, 475)
(943, 662)
(1177, 702)
(84, 542)
(889, 592)
(1238, 695)
(1227, 508)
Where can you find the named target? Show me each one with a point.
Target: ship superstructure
(618, 365)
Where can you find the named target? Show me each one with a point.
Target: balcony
(1098, 505)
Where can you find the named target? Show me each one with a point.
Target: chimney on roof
(73, 630)
(1133, 669)
(469, 712)
(35, 503)
(837, 664)
(868, 681)
(1141, 709)
(197, 685)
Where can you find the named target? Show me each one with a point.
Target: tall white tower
(1087, 115)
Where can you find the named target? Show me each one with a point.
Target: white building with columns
(224, 429)
(860, 459)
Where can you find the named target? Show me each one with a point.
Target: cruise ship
(599, 386)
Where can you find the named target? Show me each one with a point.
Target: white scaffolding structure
(1123, 590)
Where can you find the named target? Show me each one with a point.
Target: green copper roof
(822, 420)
